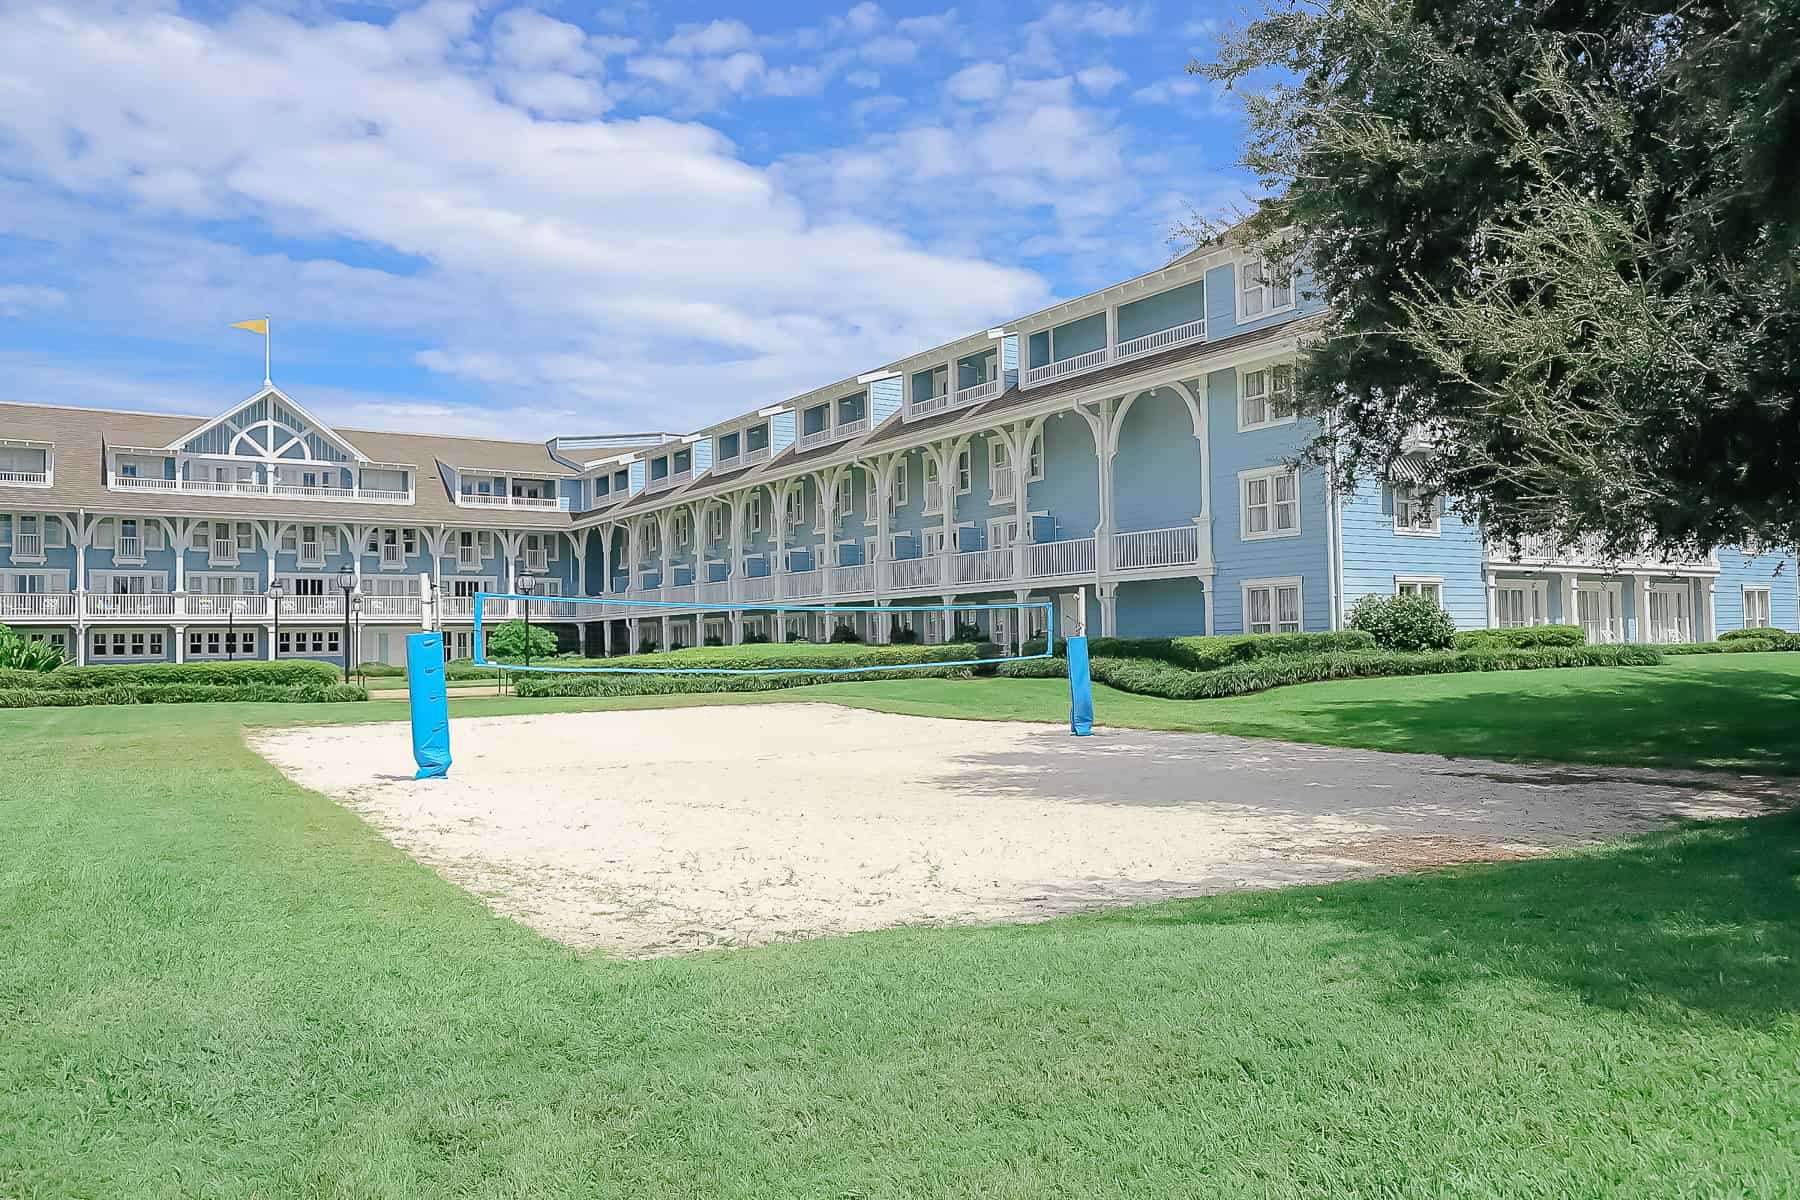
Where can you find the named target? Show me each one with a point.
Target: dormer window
(1264, 288)
(25, 464)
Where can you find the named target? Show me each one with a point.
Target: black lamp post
(525, 583)
(346, 581)
(276, 591)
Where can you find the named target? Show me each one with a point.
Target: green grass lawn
(213, 983)
(1733, 712)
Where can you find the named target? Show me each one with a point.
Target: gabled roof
(320, 427)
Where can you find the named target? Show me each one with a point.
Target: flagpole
(266, 339)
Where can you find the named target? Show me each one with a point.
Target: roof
(81, 435)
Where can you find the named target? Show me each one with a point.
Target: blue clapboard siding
(1374, 554)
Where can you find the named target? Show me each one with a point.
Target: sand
(664, 831)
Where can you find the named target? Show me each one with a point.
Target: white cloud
(978, 83)
(634, 269)
(716, 37)
(863, 79)
(1100, 80)
(17, 299)
(528, 39)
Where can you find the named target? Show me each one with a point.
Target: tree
(507, 642)
(1558, 243)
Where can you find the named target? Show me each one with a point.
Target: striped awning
(1408, 468)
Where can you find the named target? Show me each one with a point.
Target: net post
(1081, 687)
(429, 701)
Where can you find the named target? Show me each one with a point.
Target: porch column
(631, 635)
(581, 638)
(1571, 599)
(666, 643)
(1109, 609)
(949, 622)
(1206, 583)
(180, 633)
(1487, 578)
(1711, 615)
(737, 627)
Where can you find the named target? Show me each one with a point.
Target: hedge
(178, 693)
(1152, 677)
(1778, 639)
(1734, 646)
(1525, 637)
(662, 685)
(1210, 653)
(770, 656)
(286, 673)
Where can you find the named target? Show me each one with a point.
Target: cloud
(978, 83)
(863, 79)
(17, 299)
(1100, 80)
(636, 270)
(715, 37)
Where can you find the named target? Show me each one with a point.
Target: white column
(1712, 612)
(1492, 600)
(1109, 609)
(1207, 582)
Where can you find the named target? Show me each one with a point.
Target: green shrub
(507, 642)
(1208, 653)
(968, 631)
(844, 635)
(179, 693)
(289, 672)
(18, 654)
(1734, 646)
(712, 639)
(375, 670)
(754, 637)
(904, 637)
(1778, 639)
(1523, 638)
(1404, 623)
(801, 657)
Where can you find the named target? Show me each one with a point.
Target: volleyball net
(1005, 629)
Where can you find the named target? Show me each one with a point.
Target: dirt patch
(657, 832)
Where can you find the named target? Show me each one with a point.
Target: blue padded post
(430, 704)
(1081, 688)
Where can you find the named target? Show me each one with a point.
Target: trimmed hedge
(1734, 646)
(178, 693)
(1778, 639)
(662, 685)
(1152, 677)
(1525, 637)
(286, 673)
(768, 657)
(1210, 653)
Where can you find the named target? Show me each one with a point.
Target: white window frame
(56, 534)
(1275, 587)
(1264, 289)
(900, 494)
(1537, 604)
(1270, 373)
(1418, 584)
(1407, 529)
(998, 526)
(1767, 604)
(1034, 458)
(715, 523)
(846, 495)
(1271, 474)
(965, 472)
(753, 512)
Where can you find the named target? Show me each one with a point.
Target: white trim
(1540, 603)
(1420, 582)
(1245, 478)
(1239, 269)
(1274, 587)
(1768, 604)
(1435, 529)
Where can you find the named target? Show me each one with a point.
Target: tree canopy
(1561, 247)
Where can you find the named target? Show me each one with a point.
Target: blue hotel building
(1133, 444)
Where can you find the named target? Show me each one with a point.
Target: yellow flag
(260, 325)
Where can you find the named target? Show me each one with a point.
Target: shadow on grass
(1736, 721)
(1701, 920)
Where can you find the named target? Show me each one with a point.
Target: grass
(215, 983)
(1732, 712)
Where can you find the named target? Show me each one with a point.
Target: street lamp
(276, 591)
(525, 583)
(346, 581)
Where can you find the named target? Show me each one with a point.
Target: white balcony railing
(537, 561)
(468, 558)
(142, 605)
(130, 549)
(758, 588)
(852, 580)
(1066, 367)
(539, 503)
(1162, 339)
(28, 546)
(1000, 486)
(390, 606)
(841, 432)
(26, 478)
(226, 487)
(21, 606)
(716, 591)
(1049, 560)
(934, 496)
(672, 479)
(243, 608)
(312, 606)
(982, 566)
(907, 573)
(803, 585)
(1146, 548)
(1543, 549)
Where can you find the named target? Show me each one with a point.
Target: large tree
(1560, 241)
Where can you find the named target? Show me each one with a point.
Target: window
(126, 643)
(222, 643)
(796, 506)
(1003, 532)
(900, 494)
(1756, 608)
(870, 499)
(1520, 603)
(1034, 467)
(934, 541)
(1270, 503)
(1265, 397)
(1430, 587)
(309, 641)
(203, 536)
(1264, 288)
(1414, 516)
(246, 538)
(56, 535)
(681, 528)
(965, 477)
(1272, 606)
(715, 523)
(753, 512)
(846, 495)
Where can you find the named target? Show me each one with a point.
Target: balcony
(28, 547)
(468, 558)
(241, 608)
(907, 574)
(851, 580)
(537, 561)
(130, 549)
(949, 401)
(36, 606)
(306, 607)
(841, 432)
(26, 464)
(1132, 348)
(1543, 550)
(1148, 549)
(1077, 365)
(131, 606)
(982, 566)
(803, 585)
(1050, 560)
(226, 487)
(533, 503)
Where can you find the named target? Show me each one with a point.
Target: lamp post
(346, 581)
(276, 591)
(525, 583)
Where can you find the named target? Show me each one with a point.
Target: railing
(28, 545)
(856, 578)
(832, 433)
(477, 500)
(244, 608)
(975, 393)
(313, 553)
(312, 606)
(1162, 339)
(537, 560)
(1156, 548)
(800, 585)
(668, 481)
(1000, 486)
(26, 478)
(130, 548)
(716, 591)
(392, 557)
(143, 605)
(760, 454)
(1587, 552)
(16, 606)
(914, 572)
(1047, 560)
(758, 588)
(982, 566)
(391, 606)
(468, 557)
(679, 593)
(1066, 367)
(240, 487)
(934, 497)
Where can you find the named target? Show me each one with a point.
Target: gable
(272, 428)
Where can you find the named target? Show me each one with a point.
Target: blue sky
(516, 220)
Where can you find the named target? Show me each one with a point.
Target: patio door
(1667, 613)
(1600, 612)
